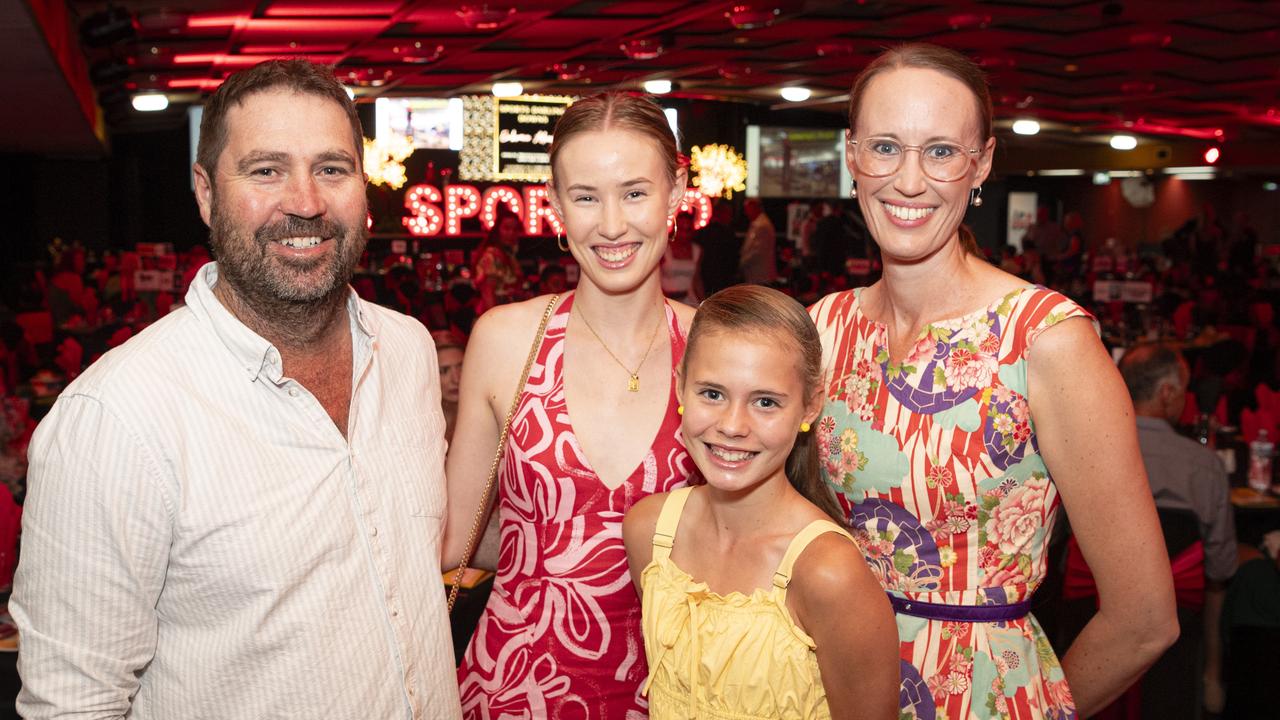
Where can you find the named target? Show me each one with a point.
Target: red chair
(36, 326)
(1182, 539)
(10, 526)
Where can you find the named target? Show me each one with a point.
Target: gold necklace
(633, 376)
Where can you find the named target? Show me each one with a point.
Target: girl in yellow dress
(749, 590)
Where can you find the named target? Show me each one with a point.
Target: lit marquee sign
(431, 212)
(509, 138)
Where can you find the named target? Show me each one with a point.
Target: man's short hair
(1146, 365)
(300, 76)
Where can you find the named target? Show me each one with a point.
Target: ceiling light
(746, 17)
(1102, 177)
(1211, 155)
(1124, 173)
(1026, 127)
(657, 87)
(351, 93)
(1060, 172)
(507, 89)
(795, 94)
(1190, 170)
(642, 48)
(567, 70)
(484, 17)
(1270, 186)
(1124, 142)
(150, 102)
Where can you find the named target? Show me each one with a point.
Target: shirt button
(395, 613)
(293, 392)
(373, 532)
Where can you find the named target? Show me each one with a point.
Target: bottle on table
(1260, 452)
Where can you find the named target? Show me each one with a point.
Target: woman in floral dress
(963, 406)
(595, 431)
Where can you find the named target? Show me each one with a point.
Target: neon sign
(430, 211)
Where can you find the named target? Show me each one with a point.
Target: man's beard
(271, 284)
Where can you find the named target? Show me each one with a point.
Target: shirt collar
(253, 353)
(1146, 422)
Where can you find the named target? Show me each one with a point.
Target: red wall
(1107, 213)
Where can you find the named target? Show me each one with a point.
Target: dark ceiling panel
(1087, 62)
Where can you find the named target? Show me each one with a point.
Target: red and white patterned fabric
(560, 636)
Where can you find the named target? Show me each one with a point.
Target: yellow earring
(804, 427)
(680, 410)
(561, 243)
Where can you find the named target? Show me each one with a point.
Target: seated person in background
(449, 350)
(553, 280)
(1251, 616)
(1184, 476)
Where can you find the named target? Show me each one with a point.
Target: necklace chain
(633, 376)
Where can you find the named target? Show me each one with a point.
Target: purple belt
(960, 613)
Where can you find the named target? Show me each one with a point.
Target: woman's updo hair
(940, 59)
(620, 111)
(758, 311)
(930, 57)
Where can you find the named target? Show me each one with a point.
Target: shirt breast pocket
(414, 460)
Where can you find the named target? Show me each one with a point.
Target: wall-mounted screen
(787, 162)
(431, 123)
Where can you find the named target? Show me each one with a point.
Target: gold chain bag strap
(477, 525)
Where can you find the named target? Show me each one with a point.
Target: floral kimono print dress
(935, 460)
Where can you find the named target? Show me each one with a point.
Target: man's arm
(96, 531)
(1213, 505)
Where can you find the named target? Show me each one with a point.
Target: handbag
(477, 525)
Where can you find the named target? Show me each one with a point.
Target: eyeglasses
(942, 161)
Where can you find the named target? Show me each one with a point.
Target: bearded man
(237, 513)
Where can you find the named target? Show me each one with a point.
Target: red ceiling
(1165, 68)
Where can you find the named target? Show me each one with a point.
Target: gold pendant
(633, 385)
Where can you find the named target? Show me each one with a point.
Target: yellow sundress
(726, 657)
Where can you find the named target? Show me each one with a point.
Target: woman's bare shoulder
(684, 314)
(510, 324)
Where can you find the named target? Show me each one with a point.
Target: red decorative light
(460, 201)
(489, 206)
(1211, 155)
(968, 21)
(747, 17)
(484, 17)
(425, 217)
(537, 208)
(835, 48)
(734, 71)
(643, 48)
(214, 21)
(698, 204)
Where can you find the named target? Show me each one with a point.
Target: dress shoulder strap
(782, 576)
(664, 535)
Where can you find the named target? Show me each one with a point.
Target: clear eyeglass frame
(969, 154)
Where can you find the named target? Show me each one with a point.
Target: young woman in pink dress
(596, 429)
(963, 407)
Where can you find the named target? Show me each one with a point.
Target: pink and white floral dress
(935, 460)
(560, 635)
